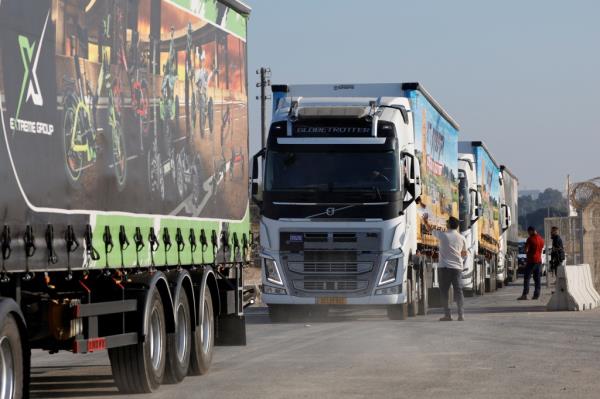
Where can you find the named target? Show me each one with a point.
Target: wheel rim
(206, 330)
(183, 338)
(6, 369)
(156, 339)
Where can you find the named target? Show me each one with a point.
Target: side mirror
(417, 175)
(505, 212)
(255, 177)
(412, 180)
(475, 205)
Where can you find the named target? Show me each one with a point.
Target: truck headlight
(273, 290)
(397, 289)
(272, 272)
(389, 271)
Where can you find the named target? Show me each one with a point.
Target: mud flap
(231, 330)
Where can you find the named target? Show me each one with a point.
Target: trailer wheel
(203, 339)
(180, 343)
(140, 368)
(11, 360)
(397, 312)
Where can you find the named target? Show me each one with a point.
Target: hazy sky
(523, 76)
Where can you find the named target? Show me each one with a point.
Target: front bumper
(394, 299)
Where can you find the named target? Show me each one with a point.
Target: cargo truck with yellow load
(347, 175)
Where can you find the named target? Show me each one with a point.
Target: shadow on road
(58, 386)
(260, 315)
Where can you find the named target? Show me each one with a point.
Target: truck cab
(473, 277)
(505, 223)
(340, 182)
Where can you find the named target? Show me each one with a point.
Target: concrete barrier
(574, 289)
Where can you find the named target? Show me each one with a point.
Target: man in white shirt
(453, 251)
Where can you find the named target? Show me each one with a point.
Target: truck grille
(327, 285)
(330, 268)
(321, 262)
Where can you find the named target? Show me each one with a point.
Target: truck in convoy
(124, 222)
(348, 173)
(484, 209)
(470, 210)
(511, 195)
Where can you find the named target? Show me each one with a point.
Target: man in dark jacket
(557, 255)
(533, 248)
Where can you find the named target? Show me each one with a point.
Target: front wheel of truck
(397, 312)
(423, 289)
(412, 293)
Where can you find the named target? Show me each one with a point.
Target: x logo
(30, 55)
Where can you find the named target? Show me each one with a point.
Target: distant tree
(549, 203)
(536, 218)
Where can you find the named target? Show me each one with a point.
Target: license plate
(331, 300)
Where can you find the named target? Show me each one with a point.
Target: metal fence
(581, 238)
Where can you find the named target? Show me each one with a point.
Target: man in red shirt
(533, 248)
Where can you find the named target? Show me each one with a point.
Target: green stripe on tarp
(161, 258)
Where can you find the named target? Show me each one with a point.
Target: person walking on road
(557, 254)
(533, 248)
(453, 251)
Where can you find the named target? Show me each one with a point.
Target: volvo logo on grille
(331, 211)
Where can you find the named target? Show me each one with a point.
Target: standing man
(557, 255)
(453, 251)
(533, 248)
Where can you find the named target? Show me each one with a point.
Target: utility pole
(265, 81)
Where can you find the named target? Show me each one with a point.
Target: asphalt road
(505, 349)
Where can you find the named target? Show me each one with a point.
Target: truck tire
(203, 339)
(397, 312)
(279, 313)
(140, 368)
(179, 346)
(11, 359)
(481, 278)
(412, 294)
(423, 287)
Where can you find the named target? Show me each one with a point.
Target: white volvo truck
(348, 172)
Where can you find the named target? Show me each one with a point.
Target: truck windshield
(332, 171)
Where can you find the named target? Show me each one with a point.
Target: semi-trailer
(489, 216)
(511, 194)
(347, 175)
(124, 204)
